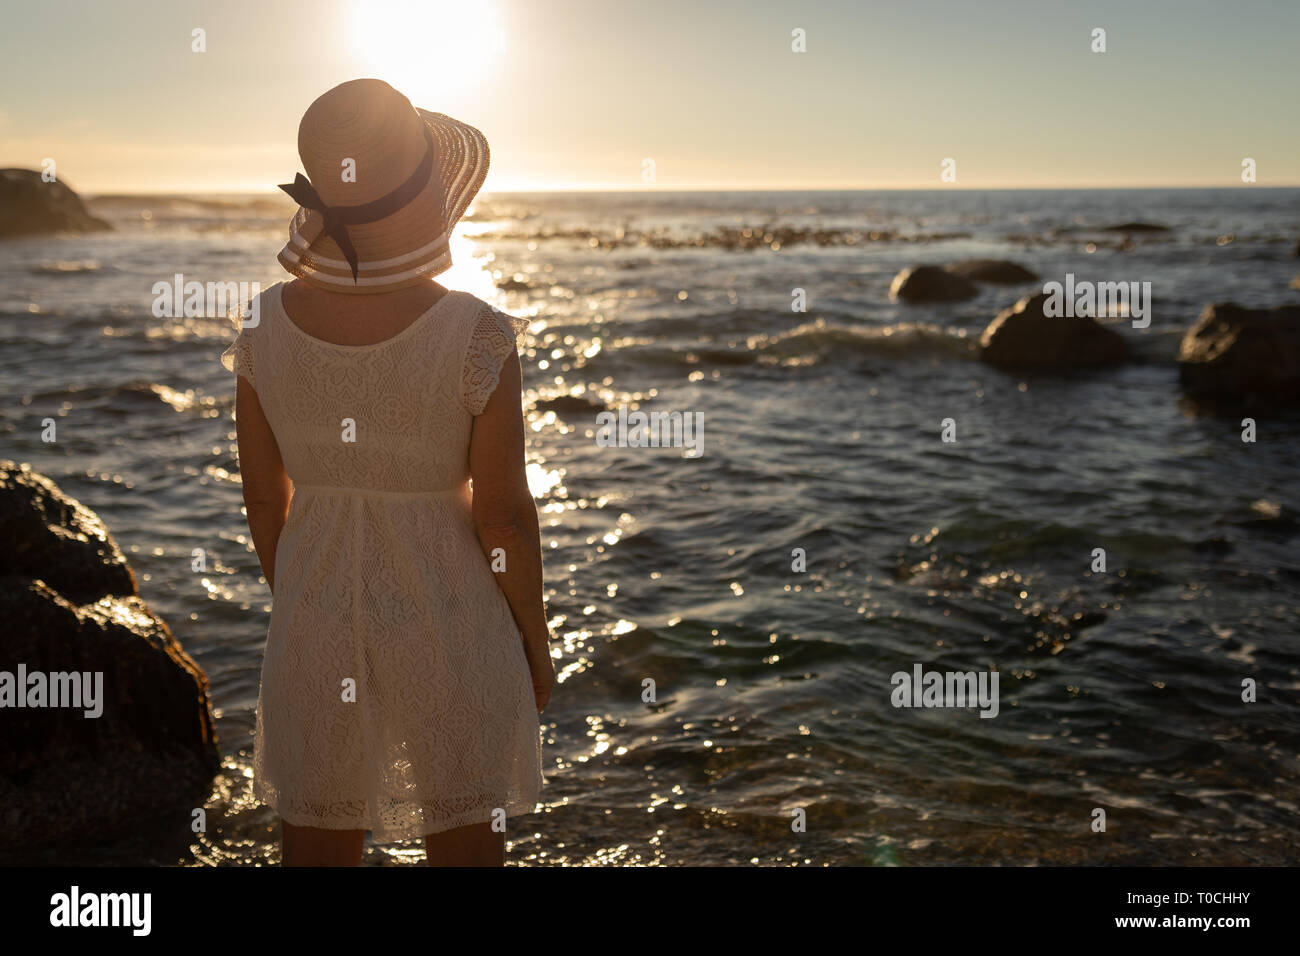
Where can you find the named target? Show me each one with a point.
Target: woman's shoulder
(484, 321)
(473, 304)
(263, 305)
(493, 337)
(488, 314)
(249, 318)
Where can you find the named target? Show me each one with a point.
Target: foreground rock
(930, 284)
(569, 405)
(69, 604)
(1241, 356)
(1022, 337)
(1136, 227)
(30, 207)
(997, 271)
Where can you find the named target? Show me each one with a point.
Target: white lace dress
(395, 692)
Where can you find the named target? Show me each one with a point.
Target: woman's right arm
(267, 488)
(505, 518)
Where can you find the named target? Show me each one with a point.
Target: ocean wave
(725, 237)
(65, 267)
(832, 339)
(183, 205)
(813, 343)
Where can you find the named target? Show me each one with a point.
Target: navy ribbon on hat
(338, 218)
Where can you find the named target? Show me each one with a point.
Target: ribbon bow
(338, 218)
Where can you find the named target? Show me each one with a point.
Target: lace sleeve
(493, 338)
(238, 358)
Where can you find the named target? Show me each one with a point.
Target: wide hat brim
(414, 243)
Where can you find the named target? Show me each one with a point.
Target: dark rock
(69, 605)
(57, 538)
(998, 271)
(30, 207)
(1242, 356)
(930, 284)
(1023, 337)
(1215, 545)
(1084, 619)
(569, 405)
(1136, 227)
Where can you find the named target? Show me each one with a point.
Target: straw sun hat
(415, 173)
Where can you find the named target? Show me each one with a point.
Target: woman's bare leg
(314, 846)
(473, 845)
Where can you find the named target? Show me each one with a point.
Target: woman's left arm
(267, 488)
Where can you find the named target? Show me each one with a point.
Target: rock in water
(930, 284)
(998, 271)
(31, 207)
(1023, 337)
(569, 405)
(1242, 356)
(69, 604)
(1136, 227)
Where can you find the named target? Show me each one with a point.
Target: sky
(579, 94)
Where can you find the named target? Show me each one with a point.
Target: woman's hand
(542, 671)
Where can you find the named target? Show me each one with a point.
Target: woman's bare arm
(505, 517)
(267, 488)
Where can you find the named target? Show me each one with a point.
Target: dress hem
(382, 834)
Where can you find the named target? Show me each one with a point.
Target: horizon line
(615, 188)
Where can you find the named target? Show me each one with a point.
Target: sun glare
(426, 48)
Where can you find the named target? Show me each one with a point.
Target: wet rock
(1215, 545)
(569, 405)
(57, 538)
(1023, 337)
(1241, 356)
(997, 271)
(31, 207)
(70, 606)
(1137, 227)
(930, 284)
